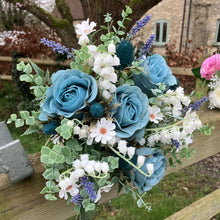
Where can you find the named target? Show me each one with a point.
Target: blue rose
(131, 113)
(155, 71)
(69, 93)
(155, 157)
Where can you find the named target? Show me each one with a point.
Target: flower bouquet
(209, 79)
(110, 119)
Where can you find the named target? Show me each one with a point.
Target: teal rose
(155, 71)
(153, 156)
(69, 93)
(130, 113)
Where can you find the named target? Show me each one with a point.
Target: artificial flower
(85, 28)
(155, 114)
(103, 131)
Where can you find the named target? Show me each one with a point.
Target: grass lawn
(173, 193)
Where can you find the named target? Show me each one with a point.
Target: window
(217, 35)
(161, 32)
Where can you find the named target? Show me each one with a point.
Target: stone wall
(198, 26)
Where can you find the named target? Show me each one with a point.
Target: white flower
(141, 160)
(82, 133)
(89, 168)
(67, 186)
(142, 141)
(89, 140)
(106, 95)
(122, 146)
(103, 131)
(105, 167)
(77, 164)
(85, 28)
(214, 97)
(84, 157)
(131, 151)
(83, 40)
(103, 189)
(155, 114)
(70, 123)
(98, 167)
(111, 48)
(76, 174)
(76, 129)
(150, 168)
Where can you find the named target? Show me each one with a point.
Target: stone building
(178, 20)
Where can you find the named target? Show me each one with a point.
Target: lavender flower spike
(89, 187)
(145, 49)
(139, 24)
(57, 47)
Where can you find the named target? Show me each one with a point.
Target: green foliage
(205, 129)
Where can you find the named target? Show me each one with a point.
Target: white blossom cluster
(182, 133)
(176, 99)
(81, 167)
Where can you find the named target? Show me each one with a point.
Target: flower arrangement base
(202, 88)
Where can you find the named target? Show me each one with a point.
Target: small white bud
(111, 48)
(105, 167)
(70, 123)
(150, 168)
(98, 167)
(142, 141)
(76, 130)
(106, 94)
(82, 133)
(77, 164)
(122, 146)
(84, 157)
(89, 169)
(141, 160)
(83, 40)
(131, 151)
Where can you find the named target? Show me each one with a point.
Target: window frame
(217, 32)
(161, 22)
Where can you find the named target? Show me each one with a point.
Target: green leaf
(28, 69)
(20, 66)
(55, 189)
(45, 150)
(77, 208)
(95, 153)
(60, 159)
(50, 184)
(50, 197)
(134, 195)
(170, 161)
(30, 120)
(57, 148)
(44, 159)
(37, 69)
(103, 38)
(66, 151)
(120, 24)
(66, 134)
(53, 156)
(104, 27)
(44, 190)
(74, 144)
(140, 202)
(19, 123)
(130, 82)
(39, 91)
(128, 10)
(121, 32)
(85, 49)
(196, 72)
(101, 48)
(13, 117)
(115, 30)
(26, 77)
(90, 207)
(38, 81)
(115, 180)
(24, 114)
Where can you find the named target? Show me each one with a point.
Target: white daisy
(155, 114)
(85, 28)
(103, 131)
(67, 185)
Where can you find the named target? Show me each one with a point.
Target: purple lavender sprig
(196, 106)
(176, 143)
(139, 24)
(145, 49)
(77, 199)
(57, 48)
(89, 187)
